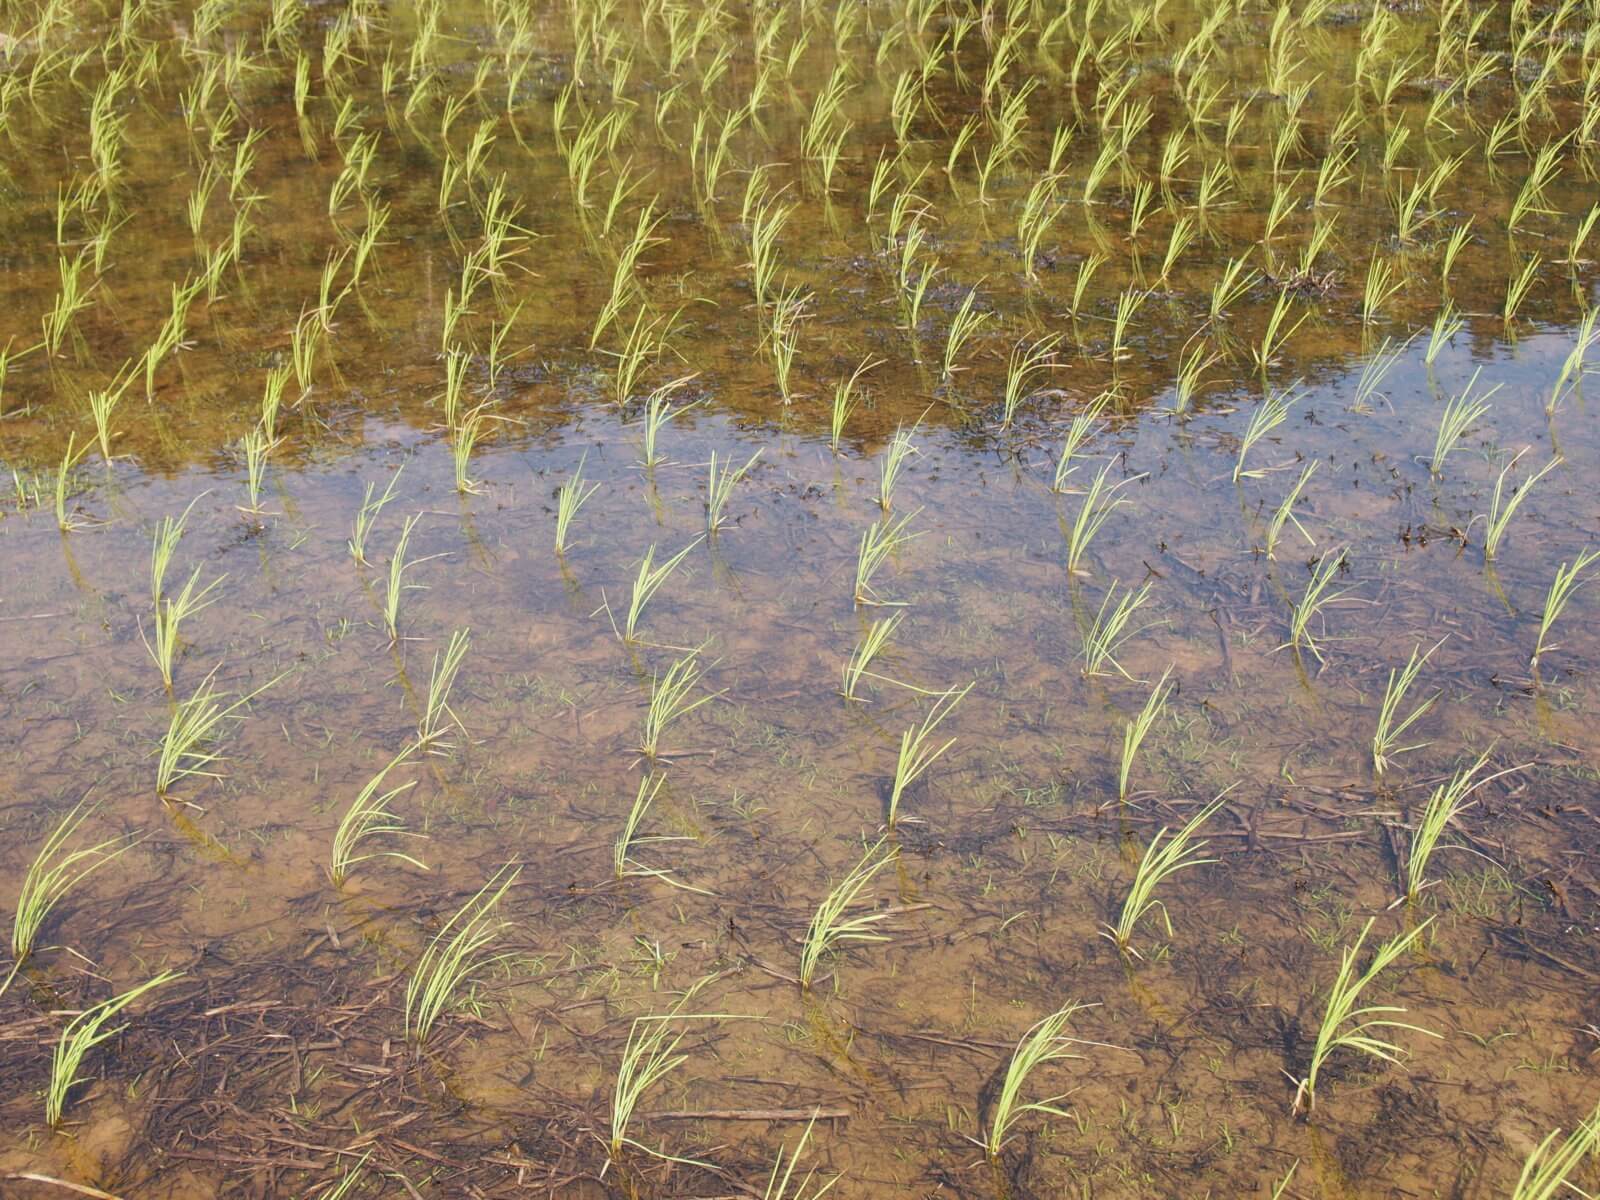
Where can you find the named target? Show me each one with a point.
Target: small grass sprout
(917, 752)
(83, 1033)
(1347, 1024)
(1391, 725)
(832, 924)
(368, 817)
(1162, 859)
(454, 957)
(1568, 580)
(1045, 1042)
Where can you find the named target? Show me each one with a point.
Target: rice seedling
(256, 446)
(1161, 860)
(570, 497)
(845, 401)
(650, 1054)
(53, 873)
(1285, 511)
(1078, 434)
(879, 541)
(1134, 732)
(102, 403)
(866, 650)
(1391, 725)
(1568, 579)
(1099, 502)
(917, 753)
(396, 585)
(1573, 368)
(1085, 274)
(1026, 360)
(438, 718)
(82, 1034)
(1503, 505)
(1445, 804)
(832, 925)
(895, 456)
(647, 582)
(367, 514)
(783, 1174)
(719, 487)
(454, 958)
(66, 521)
(1461, 412)
(790, 307)
(658, 410)
(1547, 1171)
(669, 701)
(1044, 1042)
(1381, 285)
(1314, 600)
(1517, 288)
(186, 749)
(172, 611)
(1264, 418)
(1110, 630)
(367, 817)
(1274, 335)
(1446, 325)
(963, 326)
(1128, 305)
(1347, 1024)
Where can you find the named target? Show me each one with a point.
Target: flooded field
(904, 598)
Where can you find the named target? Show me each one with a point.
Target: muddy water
(279, 1061)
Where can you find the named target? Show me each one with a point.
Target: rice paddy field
(927, 598)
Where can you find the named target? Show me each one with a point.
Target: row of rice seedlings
(82, 1034)
(1391, 725)
(454, 958)
(1161, 860)
(369, 816)
(54, 872)
(917, 751)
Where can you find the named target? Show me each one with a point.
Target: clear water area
(278, 1064)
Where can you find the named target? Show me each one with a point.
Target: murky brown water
(279, 1061)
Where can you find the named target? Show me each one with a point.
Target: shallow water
(279, 1061)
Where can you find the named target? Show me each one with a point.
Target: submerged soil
(278, 1063)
